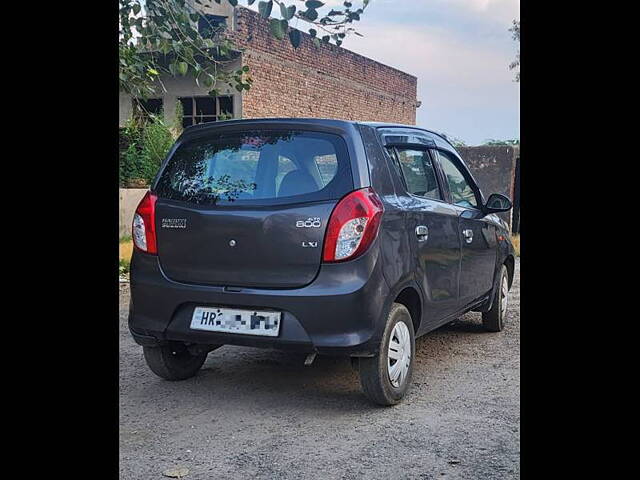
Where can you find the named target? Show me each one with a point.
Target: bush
(130, 157)
(143, 147)
(156, 143)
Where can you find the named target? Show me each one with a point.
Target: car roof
(313, 121)
(267, 120)
(404, 126)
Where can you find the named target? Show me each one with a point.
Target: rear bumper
(340, 313)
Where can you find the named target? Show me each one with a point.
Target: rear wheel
(385, 378)
(173, 362)
(493, 320)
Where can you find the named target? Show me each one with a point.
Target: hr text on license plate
(231, 320)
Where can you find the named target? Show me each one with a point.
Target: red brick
(328, 82)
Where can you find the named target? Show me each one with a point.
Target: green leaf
(153, 71)
(287, 12)
(278, 28)
(182, 68)
(313, 32)
(265, 8)
(311, 14)
(165, 47)
(316, 42)
(245, 69)
(295, 37)
(313, 4)
(251, 2)
(208, 81)
(326, 38)
(234, 3)
(136, 8)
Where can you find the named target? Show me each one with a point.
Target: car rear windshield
(262, 167)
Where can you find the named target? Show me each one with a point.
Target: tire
(493, 320)
(374, 371)
(173, 362)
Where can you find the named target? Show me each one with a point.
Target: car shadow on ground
(240, 378)
(467, 324)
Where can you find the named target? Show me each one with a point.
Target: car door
(432, 225)
(477, 233)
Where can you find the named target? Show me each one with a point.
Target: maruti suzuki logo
(174, 223)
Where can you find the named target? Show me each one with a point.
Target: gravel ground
(254, 413)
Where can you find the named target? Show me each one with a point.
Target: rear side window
(257, 167)
(419, 173)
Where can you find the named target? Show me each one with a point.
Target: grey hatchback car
(319, 236)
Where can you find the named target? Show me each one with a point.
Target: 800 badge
(311, 222)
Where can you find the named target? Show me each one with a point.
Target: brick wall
(328, 82)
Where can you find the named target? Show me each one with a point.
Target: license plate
(231, 320)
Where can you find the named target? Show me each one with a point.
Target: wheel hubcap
(505, 295)
(399, 354)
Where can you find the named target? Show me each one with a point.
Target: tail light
(353, 226)
(144, 226)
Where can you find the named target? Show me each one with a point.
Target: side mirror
(497, 203)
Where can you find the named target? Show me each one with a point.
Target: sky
(459, 50)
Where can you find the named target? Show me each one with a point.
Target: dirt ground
(254, 413)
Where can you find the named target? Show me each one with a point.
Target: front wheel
(493, 320)
(385, 378)
(173, 362)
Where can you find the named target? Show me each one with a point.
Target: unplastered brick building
(328, 82)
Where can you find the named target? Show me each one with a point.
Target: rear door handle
(467, 233)
(422, 232)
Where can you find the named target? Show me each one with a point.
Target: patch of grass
(516, 243)
(123, 269)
